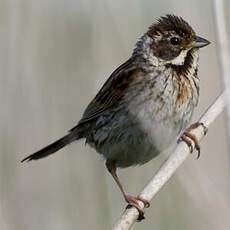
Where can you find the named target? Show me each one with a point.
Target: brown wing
(110, 93)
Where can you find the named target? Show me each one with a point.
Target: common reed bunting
(146, 103)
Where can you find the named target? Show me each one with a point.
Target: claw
(133, 202)
(197, 124)
(204, 127)
(145, 202)
(196, 143)
(188, 137)
(141, 212)
(187, 141)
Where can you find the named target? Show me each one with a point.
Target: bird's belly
(130, 140)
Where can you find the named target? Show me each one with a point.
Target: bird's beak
(200, 42)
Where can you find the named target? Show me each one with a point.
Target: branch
(223, 54)
(182, 151)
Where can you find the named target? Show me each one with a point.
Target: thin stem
(223, 54)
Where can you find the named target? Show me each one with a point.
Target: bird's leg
(188, 137)
(131, 200)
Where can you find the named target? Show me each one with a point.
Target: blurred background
(54, 56)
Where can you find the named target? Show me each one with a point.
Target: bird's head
(169, 40)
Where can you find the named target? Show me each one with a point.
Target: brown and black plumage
(146, 102)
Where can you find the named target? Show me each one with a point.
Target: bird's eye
(174, 41)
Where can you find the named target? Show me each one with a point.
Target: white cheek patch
(179, 60)
(143, 48)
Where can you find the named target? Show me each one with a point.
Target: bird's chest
(163, 107)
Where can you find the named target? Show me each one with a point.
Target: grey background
(54, 56)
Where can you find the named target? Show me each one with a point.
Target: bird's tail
(52, 148)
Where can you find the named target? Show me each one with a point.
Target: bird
(146, 103)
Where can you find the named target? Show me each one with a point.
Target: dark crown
(171, 23)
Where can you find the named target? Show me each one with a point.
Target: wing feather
(110, 94)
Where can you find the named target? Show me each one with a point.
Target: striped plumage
(146, 102)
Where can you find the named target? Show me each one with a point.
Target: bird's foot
(191, 139)
(133, 202)
(196, 125)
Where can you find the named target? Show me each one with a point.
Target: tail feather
(52, 148)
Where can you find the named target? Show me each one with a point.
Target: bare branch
(223, 54)
(182, 151)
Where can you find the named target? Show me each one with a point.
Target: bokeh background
(54, 56)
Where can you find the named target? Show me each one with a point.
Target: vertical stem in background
(223, 55)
